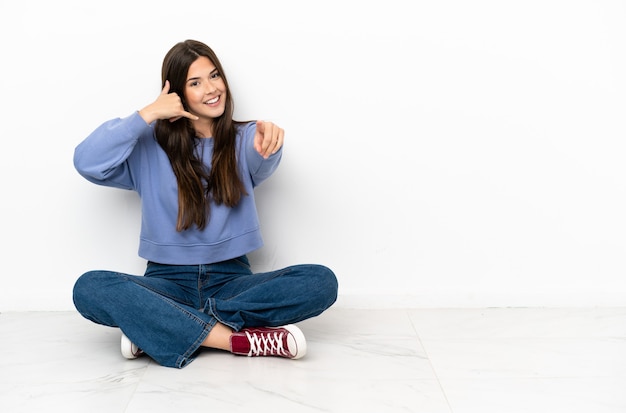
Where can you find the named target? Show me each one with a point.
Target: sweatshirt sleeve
(260, 168)
(102, 158)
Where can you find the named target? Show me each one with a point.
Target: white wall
(447, 153)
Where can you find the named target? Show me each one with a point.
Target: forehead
(201, 66)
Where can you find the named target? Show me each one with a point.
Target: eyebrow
(198, 77)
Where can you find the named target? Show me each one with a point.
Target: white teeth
(213, 100)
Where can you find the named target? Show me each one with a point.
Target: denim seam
(213, 313)
(206, 328)
(185, 358)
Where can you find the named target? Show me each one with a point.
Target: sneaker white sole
(299, 342)
(129, 349)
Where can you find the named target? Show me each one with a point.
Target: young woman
(195, 169)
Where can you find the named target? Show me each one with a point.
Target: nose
(210, 88)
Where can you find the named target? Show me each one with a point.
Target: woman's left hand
(268, 138)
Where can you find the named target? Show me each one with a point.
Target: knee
(93, 297)
(82, 288)
(88, 288)
(327, 284)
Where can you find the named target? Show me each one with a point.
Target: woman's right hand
(166, 106)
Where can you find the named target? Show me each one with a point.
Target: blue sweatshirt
(124, 153)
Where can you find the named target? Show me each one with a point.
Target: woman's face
(205, 91)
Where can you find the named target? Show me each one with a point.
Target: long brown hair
(198, 184)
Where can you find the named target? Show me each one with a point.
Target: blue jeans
(169, 311)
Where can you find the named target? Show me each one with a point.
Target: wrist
(147, 115)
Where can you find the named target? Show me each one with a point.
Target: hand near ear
(166, 106)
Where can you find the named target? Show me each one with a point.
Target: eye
(194, 83)
(215, 75)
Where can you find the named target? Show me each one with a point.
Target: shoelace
(266, 344)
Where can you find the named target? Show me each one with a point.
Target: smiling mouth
(212, 101)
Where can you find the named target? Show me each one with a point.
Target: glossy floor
(379, 361)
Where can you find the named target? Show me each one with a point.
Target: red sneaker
(286, 341)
